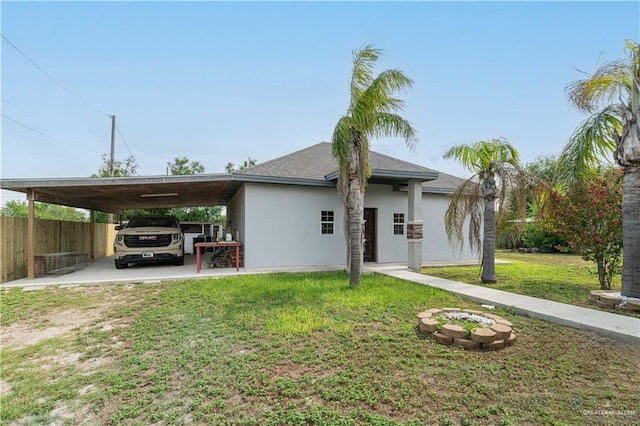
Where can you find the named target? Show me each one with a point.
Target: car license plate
(147, 254)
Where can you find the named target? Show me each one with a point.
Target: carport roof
(125, 193)
(312, 166)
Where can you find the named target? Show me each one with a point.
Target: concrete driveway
(103, 271)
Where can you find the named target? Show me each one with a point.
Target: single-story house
(290, 214)
(286, 211)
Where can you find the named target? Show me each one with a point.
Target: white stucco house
(288, 212)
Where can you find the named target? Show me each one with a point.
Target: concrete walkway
(614, 326)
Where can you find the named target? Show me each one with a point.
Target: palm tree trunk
(356, 212)
(489, 242)
(631, 231)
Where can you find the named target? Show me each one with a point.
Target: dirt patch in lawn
(62, 322)
(24, 333)
(5, 388)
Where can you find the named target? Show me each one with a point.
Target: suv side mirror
(118, 228)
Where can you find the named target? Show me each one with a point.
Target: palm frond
(379, 94)
(378, 97)
(475, 226)
(393, 125)
(513, 183)
(364, 60)
(465, 204)
(610, 82)
(359, 161)
(498, 150)
(590, 144)
(465, 155)
(341, 139)
(479, 156)
(340, 145)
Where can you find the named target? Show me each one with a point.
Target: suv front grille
(155, 240)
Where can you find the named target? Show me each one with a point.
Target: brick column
(414, 225)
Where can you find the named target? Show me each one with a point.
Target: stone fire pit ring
(495, 336)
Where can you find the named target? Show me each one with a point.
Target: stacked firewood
(225, 257)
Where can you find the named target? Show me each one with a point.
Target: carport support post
(92, 235)
(414, 225)
(31, 235)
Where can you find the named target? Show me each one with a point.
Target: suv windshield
(157, 221)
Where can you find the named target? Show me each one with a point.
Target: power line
(44, 134)
(12, 104)
(129, 149)
(53, 79)
(70, 93)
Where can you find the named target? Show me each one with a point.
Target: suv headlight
(177, 237)
(119, 238)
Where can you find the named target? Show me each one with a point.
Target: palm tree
(612, 96)
(371, 113)
(497, 175)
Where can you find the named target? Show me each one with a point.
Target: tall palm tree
(497, 175)
(612, 96)
(371, 113)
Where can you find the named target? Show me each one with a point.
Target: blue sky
(219, 82)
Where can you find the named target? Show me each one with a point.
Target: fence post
(31, 235)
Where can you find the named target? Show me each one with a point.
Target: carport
(115, 195)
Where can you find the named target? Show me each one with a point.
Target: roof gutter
(243, 177)
(13, 184)
(395, 174)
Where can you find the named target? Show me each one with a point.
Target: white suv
(149, 239)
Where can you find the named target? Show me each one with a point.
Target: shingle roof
(314, 162)
(317, 163)
(445, 183)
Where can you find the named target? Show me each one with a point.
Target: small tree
(128, 167)
(497, 177)
(231, 167)
(589, 216)
(43, 211)
(372, 113)
(611, 97)
(182, 166)
(543, 174)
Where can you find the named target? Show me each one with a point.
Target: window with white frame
(327, 221)
(398, 224)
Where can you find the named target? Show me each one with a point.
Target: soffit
(113, 195)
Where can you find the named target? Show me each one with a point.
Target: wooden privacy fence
(51, 236)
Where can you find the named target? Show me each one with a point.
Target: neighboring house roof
(316, 164)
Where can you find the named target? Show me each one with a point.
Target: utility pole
(113, 144)
(113, 155)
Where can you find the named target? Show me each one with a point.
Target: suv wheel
(180, 261)
(121, 265)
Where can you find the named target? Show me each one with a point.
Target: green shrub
(537, 234)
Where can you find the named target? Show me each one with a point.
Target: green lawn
(294, 349)
(564, 278)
